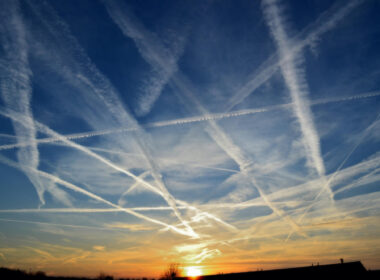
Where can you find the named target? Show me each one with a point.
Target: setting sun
(193, 271)
(190, 140)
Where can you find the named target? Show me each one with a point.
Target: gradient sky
(228, 135)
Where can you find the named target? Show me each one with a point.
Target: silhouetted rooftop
(339, 270)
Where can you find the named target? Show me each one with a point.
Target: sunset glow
(226, 136)
(193, 271)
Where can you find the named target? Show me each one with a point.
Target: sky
(226, 135)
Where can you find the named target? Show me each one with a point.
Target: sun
(193, 271)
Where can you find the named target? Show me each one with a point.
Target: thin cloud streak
(55, 224)
(296, 83)
(43, 128)
(211, 187)
(119, 12)
(75, 188)
(307, 37)
(364, 134)
(179, 80)
(143, 175)
(109, 96)
(16, 88)
(189, 120)
(296, 191)
(48, 131)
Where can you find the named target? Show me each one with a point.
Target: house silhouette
(336, 271)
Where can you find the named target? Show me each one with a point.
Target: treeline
(9, 274)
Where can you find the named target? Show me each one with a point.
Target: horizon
(225, 136)
(182, 273)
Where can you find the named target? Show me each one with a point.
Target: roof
(341, 269)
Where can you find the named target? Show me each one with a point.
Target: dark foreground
(348, 270)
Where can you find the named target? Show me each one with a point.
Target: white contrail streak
(182, 121)
(60, 225)
(85, 210)
(16, 93)
(292, 192)
(43, 128)
(102, 88)
(151, 48)
(8, 136)
(16, 89)
(120, 14)
(308, 35)
(298, 88)
(87, 78)
(368, 178)
(164, 160)
(179, 80)
(332, 177)
(75, 188)
(135, 185)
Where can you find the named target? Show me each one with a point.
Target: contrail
(16, 89)
(349, 172)
(151, 48)
(189, 120)
(75, 188)
(135, 185)
(242, 205)
(212, 206)
(43, 128)
(60, 225)
(8, 136)
(85, 210)
(332, 177)
(222, 140)
(228, 146)
(295, 82)
(308, 35)
(298, 87)
(122, 209)
(164, 160)
(16, 93)
(359, 181)
(119, 12)
(85, 74)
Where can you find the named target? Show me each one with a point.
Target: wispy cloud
(365, 179)
(307, 37)
(17, 94)
(182, 83)
(99, 248)
(155, 83)
(91, 77)
(16, 117)
(203, 177)
(95, 197)
(203, 255)
(296, 83)
(188, 120)
(104, 90)
(131, 227)
(53, 224)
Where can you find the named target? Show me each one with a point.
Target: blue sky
(198, 132)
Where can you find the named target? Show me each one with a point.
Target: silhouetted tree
(40, 275)
(171, 272)
(103, 276)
